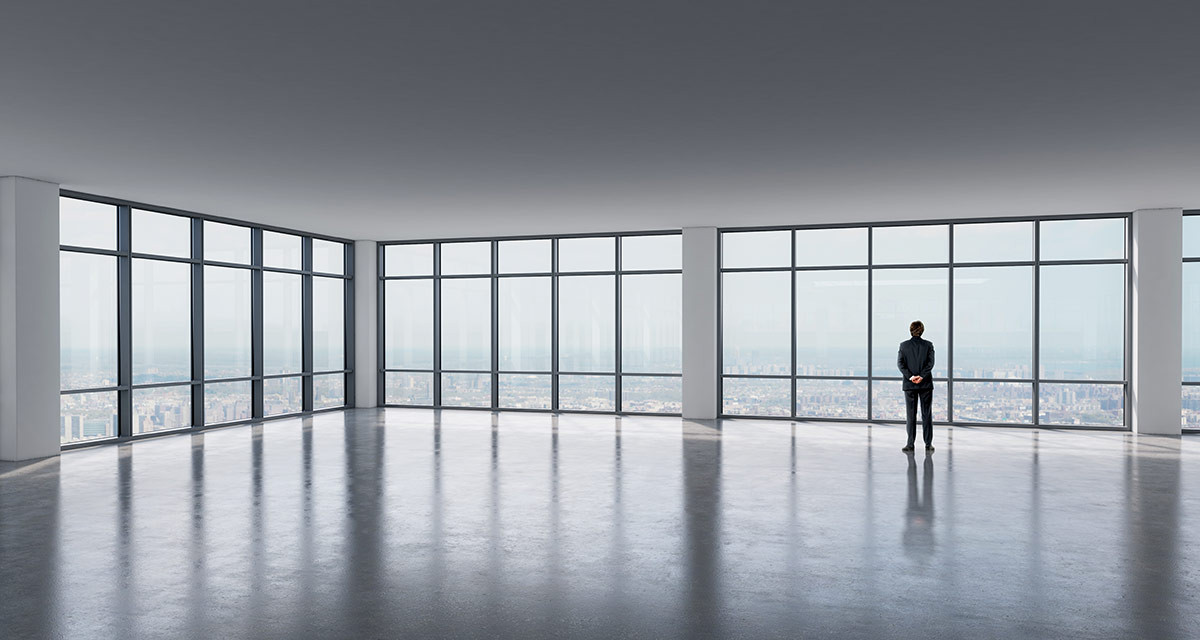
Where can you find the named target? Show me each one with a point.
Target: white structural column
(29, 361)
(700, 373)
(366, 323)
(1156, 387)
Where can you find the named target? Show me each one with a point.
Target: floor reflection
(919, 540)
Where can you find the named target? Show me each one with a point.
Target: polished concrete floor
(408, 523)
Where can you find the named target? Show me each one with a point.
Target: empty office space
(599, 320)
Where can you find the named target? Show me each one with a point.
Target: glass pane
(87, 416)
(408, 260)
(831, 399)
(329, 324)
(887, 401)
(993, 242)
(1083, 322)
(1191, 321)
(993, 322)
(756, 249)
(1083, 239)
(328, 257)
(467, 324)
(901, 296)
(1191, 237)
(993, 402)
(831, 247)
(226, 402)
(409, 388)
(282, 396)
(466, 258)
(162, 409)
(283, 316)
(1191, 407)
(162, 321)
(408, 324)
(587, 323)
(87, 320)
(161, 234)
(226, 242)
(587, 254)
(652, 252)
(756, 323)
(652, 394)
(587, 393)
(466, 390)
(925, 244)
(226, 323)
(754, 397)
(282, 250)
(652, 323)
(524, 392)
(1093, 405)
(525, 324)
(329, 391)
(87, 224)
(831, 323)
(524, 256)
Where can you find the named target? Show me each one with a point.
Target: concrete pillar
(700, 401)
(366, 324)
(29, 360)
(1157, 263)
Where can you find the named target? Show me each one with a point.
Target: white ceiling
(391, 120)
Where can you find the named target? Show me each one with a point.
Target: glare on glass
(329, 391)
(162, 321)
(87, 416)
(283, 317)
(329, 324)
(831, 323)
(652, 394)
(524, 256)
(162, 409)
(467, 390)
(408, 388)
(466, 258)
(282, 396)
(993, 322)
(226, 322)
(524, 391)
(587, 324)
(282, 250)
(328, 256)
(831, 399)
(1191, 322)
(161, 234)
(652, 253)
(887, 401)
(993, 402)
(1085, 405)
(744, 249)
(408, 324)
(652, 323)
(87, 224)
(1191, 236)
(831, 247)
(923, 244)
(587, 393)
(408, 260)
(756, 397)
(87, 320)
(1082, 322)
(226, 242)
(467, 324)
(226, 402)
(756, 323)
(901, 296)
(1096, 239)
(524, 317)
(587, 254)
(993, 242)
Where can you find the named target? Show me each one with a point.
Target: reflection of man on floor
(915, 361)
(918, 523)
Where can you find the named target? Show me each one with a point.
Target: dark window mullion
(306, 322)
(197, 323)
(256, 324)
(124, 323)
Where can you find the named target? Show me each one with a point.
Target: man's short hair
(916, 328)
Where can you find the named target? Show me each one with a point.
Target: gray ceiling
(392, 120)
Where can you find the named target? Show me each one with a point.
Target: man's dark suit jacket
(916, 359)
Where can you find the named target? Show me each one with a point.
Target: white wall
(366, 365)
(1157, 299)
(700, 400)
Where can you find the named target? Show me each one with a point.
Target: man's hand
(916, 379)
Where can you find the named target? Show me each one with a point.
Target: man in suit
(915, 361)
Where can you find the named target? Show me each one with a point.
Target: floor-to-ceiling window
(1191, 320)
(170, 320)
(1028, 318)
(573, 323)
